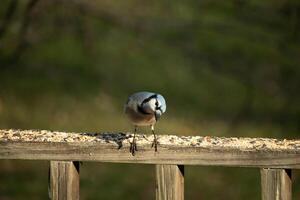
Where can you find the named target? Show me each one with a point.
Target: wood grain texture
(276, 184)
(178, 150)
(64, 180)
(169, 182)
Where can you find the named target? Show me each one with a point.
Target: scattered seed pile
(249, 144)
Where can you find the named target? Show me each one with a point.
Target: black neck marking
(159, 108)
(149, 98)
(141, 110)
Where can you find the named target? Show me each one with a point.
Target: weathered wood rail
(274, 157)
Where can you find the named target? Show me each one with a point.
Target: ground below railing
(274, 157)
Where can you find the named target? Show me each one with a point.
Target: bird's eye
(156, 103)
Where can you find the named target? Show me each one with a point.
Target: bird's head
(155, 104)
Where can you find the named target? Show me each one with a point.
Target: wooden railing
(274, 157)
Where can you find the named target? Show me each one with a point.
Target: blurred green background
(226, 68)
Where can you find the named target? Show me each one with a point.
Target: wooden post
(169, 182)
(64, 180)
(276, 184)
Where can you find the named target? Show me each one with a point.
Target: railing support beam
(276, 184)
(64, 180)
(169, 182)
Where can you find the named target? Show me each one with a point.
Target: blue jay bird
(144, 109)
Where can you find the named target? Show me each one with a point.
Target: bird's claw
(133, 147)
(154, 144)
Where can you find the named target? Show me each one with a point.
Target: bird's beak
(157, 115)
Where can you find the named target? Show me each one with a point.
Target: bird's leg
(154, 143)
(133, 148)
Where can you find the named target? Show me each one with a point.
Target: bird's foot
(154, 144)
(133, 147)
